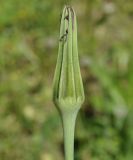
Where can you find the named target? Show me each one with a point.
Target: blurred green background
(30, 127)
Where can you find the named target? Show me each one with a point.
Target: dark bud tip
(67, 17)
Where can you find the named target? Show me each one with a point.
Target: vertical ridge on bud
(78, 79)
(63, 71)
(71, 82)
(59, 61)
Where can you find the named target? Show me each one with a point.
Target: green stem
(68, 120)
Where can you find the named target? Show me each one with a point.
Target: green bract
(68, 88)
(68, 92)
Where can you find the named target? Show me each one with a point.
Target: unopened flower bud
(68, 87)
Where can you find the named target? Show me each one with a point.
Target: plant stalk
(68, 121)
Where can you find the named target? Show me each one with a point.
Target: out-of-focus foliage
(30, 128)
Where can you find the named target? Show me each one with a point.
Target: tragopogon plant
(68, 92)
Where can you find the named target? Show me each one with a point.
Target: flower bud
(68, 89)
